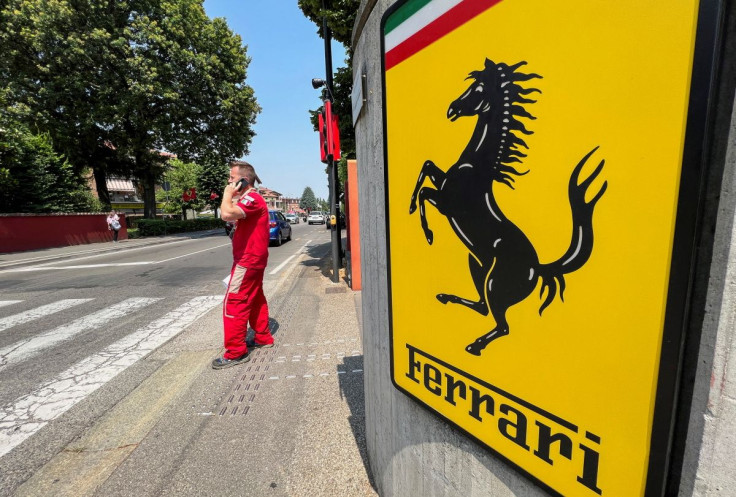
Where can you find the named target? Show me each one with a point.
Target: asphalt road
(75, 324)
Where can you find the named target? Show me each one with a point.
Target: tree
(340, 16)
(212, 181)
(40, 43)
(181, 178)
(33, 177)
(308, 201)
(148, 76)
(187, 93)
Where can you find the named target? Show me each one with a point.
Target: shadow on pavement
(272, 324)
(321, 257)
(352, 390)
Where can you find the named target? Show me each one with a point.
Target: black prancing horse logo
(503, 263)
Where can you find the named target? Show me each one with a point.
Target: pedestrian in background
(245, 302)
(113, 223)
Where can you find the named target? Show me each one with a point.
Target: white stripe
(577, 249)
(3, 303)
(457, 226)
(39, 312)
(30, 413)
(80, 266)
(417, 21)
(31, 346)
(283, 264)
(47, 267)
(192, 253)
(129, 245)
(106, 253)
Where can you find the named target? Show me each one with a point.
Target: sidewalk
(291, 422)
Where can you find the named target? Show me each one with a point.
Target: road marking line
(192, 253)
(39, 312)
(80, 266)
(29, 347)
(3, 303)
(128, 247)
(281, 266)
(47, 267)
(33, 411)
(113, 252)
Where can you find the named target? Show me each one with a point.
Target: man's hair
(247, 171)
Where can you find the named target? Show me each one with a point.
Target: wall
(414, 453)
(19, 232)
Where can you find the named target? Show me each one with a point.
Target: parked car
(292, 218)
(279, 227)
(316, 217)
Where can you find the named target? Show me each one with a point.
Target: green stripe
(405, 12)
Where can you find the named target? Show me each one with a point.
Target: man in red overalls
(245, 302)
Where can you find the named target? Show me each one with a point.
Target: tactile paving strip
(237, 401)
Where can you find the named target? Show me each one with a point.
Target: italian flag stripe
(410, 8)
(419, 23)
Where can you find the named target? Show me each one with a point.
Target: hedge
(153, 227)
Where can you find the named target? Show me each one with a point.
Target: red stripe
(443, 25)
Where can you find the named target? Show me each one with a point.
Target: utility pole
(334, 182)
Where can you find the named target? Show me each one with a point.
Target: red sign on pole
(329, 135)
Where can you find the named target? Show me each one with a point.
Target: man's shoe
(255, 345)
(222, 363)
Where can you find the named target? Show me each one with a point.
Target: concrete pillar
(414, 453)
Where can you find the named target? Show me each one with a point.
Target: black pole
(331, 165)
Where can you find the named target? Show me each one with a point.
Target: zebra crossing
(26, 415)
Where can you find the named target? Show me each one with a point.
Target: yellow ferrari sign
(534, 159)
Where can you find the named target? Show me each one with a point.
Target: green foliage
(308, 200)
(181, 176)
(155, 227)
(34, 178)
(112, 82)
(340, 16)
(212, 179)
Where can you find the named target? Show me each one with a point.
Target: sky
(286, 53)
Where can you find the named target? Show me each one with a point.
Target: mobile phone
(241, 184)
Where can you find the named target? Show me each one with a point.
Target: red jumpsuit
(245, 302)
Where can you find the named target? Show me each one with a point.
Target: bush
(133, 233)
(154, 227)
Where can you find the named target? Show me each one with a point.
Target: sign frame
(688, 222)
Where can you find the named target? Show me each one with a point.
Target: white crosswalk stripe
(3, 303)
(29, 347)
(33, 411)
(39, 312)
